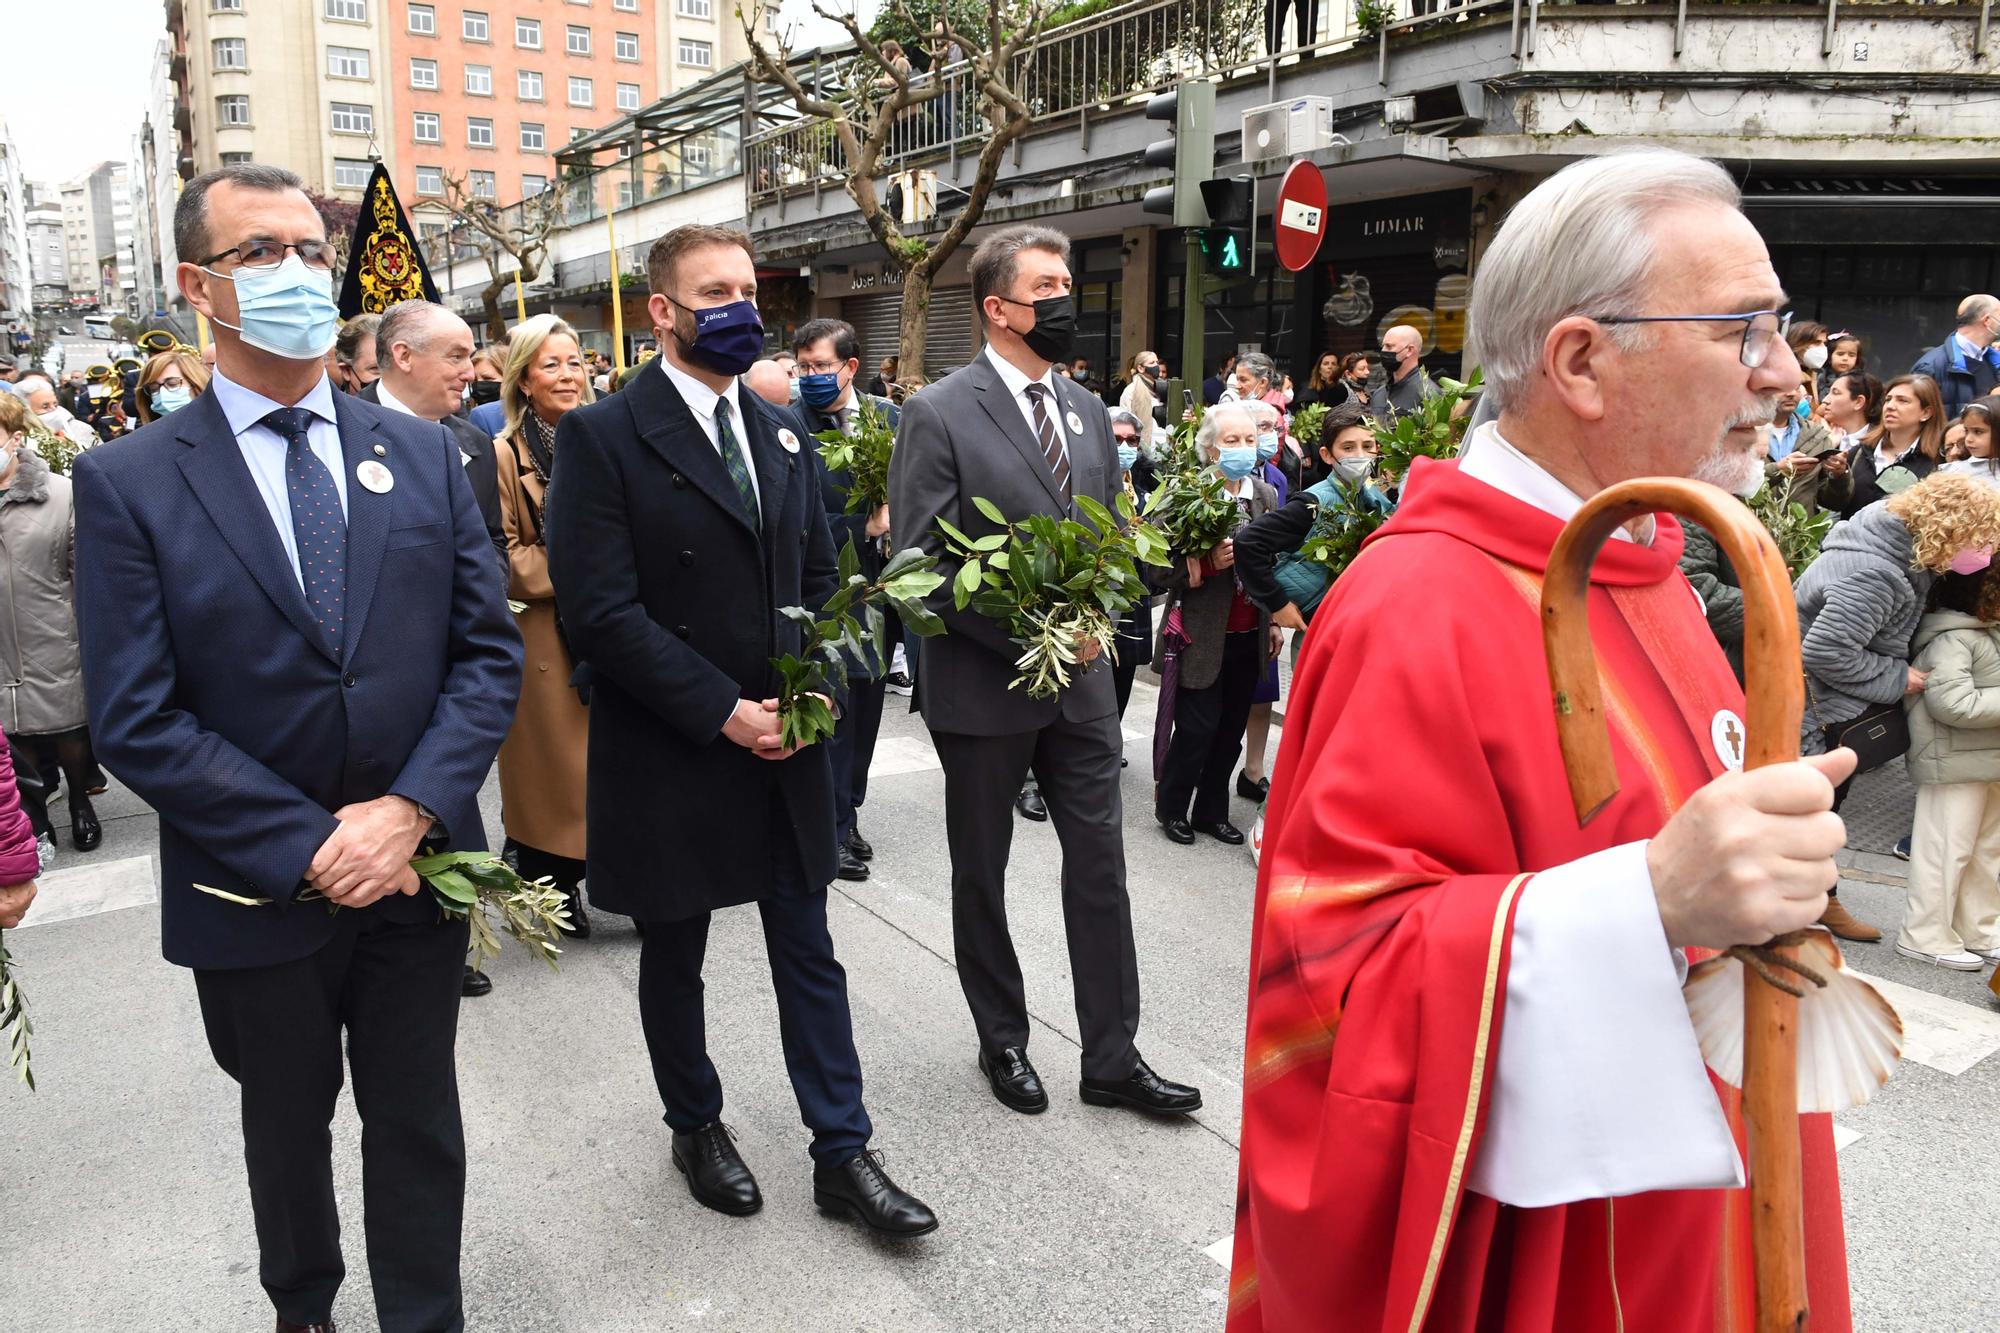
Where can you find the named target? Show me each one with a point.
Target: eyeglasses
(1761, 329)
(270, 254)
(820, 367)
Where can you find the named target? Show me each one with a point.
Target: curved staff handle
(1774, 684)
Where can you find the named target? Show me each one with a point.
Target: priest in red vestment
(1473, 1100)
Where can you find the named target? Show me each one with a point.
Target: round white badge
(1075, 422)
(1727, 735)
(789, 440)
(375, 477)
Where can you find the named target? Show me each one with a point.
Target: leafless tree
(864, 119)
(519, 233)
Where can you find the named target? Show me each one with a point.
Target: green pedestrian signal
(1226, 248)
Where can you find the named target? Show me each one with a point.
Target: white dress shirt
(395, 404)
(1598, 1087)
(1017, 388)
(701, 401)
(264, 449)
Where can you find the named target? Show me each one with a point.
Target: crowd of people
(339, 571)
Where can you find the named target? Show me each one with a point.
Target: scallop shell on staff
(1849, 1036)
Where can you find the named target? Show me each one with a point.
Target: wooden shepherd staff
(1774, 688)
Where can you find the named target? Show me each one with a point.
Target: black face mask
(1055, 327)
(485, 391)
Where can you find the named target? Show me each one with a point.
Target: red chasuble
(1419, 787)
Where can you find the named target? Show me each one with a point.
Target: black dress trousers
(393, 989)
(1208, 733)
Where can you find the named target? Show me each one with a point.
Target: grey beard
(1738, 471)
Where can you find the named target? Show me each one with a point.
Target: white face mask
(1813, 357)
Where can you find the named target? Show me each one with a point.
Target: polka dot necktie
(318, 525)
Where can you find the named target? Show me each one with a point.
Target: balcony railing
(1113, 59)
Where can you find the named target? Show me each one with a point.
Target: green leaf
(967, 580)
(957, 539)
(454, 886)
(850, 561)
(991, 510)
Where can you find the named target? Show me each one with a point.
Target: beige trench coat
(542, 761)
(41, 669)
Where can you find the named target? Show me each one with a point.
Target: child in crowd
(1953, 919)
(1974, 431)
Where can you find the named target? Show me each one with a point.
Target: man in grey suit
(1007, 430)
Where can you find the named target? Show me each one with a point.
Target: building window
(236, 159)
(625, 45)
(351, 173)
(694, 9)
(225, 6)
(528, 33)
(576, 40)
(479, 132)
(577, 132)
(580, 92)
(701, 55)
(629, 6)
(346, 62)
(479, 80)
(423, 20)
(232, 110)
(528, 85)
(628, 97)
(427, 128)
(423, 73)
(230, 53)
(532, 185)
(474, 26)
(353, 118)
(533, 138)
(483, 185)
(430, 180)
(347, 11)
(624, 194)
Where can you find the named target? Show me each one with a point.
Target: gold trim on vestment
(1476, 1084)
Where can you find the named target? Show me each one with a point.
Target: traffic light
(1191, 152)
(1230, 240)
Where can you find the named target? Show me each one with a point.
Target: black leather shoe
(1178, 829)
(1222, 831)
(1252, 791)
(1014, 1081)
(860, 846)
(84, 830)
(1142, 1090)
(1123, 762)
(287, 1326)
(715, 1173)
(475, 984)
(860, 1186)
(1029, 803)
(846, 865)
(579, 920)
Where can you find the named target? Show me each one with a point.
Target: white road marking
(1842, 1135)
(1220, 1250)
(80, 891)
(1947, 1035)
(897, 755)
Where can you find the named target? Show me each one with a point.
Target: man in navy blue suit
(684, 514)
(297, 649)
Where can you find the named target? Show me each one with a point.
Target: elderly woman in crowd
(542, 759)
(1859, 605)
(41, 693)
(1215, 643)
(171, 380)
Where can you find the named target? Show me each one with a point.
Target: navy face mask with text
(728, 339)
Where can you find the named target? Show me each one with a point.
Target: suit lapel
(367, 519)
(769, 457)
(666, 423)
(1000, 406)
(221, 482)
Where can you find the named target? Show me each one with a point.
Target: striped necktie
(732, 458)
(1045, 431)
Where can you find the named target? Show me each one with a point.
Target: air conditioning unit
(1288, 129)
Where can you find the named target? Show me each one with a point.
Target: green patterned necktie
(732, 458)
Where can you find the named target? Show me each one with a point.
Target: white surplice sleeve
(1598, 1088)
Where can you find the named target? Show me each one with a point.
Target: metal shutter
(878, 319)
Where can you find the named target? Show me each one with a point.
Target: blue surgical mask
(1267, 445)
(167, 400)
(1238, 461)
(1803, 410)
(287, 310)
(819, 392)
(1128, 454)
(728, 339)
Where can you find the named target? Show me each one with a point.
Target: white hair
(1580, 243)
(1211, 423)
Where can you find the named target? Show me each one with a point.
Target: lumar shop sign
(1412, 224)
(1870, 187)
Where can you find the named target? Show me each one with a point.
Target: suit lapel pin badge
(375, 477)
(380, 452)
(789, 440)
(1075, 423)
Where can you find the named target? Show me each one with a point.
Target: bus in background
(98, 327)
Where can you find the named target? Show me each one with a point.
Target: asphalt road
(125, 1204)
